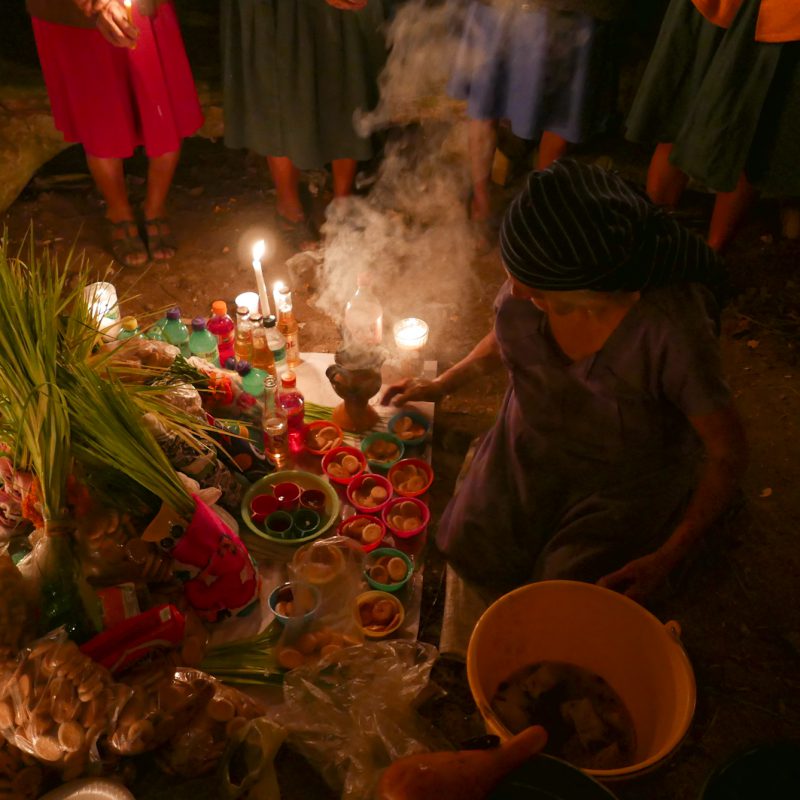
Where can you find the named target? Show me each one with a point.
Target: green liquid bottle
(203, 343)
(176, 333)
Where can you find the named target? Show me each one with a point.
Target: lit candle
(249, 300)
(101, 300)
(258, 253)
(128, 9)
(278, 288)
(410, 334)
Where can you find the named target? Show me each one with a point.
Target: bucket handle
(674, 629)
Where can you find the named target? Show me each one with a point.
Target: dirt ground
(737, 602)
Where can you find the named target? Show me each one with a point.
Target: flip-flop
(161, 240)
(299, 235)
(126, 245)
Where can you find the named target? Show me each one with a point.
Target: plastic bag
(352, 716)
(20, 776)
(14, 606)
(55, 703)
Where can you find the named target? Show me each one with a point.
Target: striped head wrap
(576, 226)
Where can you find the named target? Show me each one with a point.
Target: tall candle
(258, 253)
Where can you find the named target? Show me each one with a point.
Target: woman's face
(563, 303)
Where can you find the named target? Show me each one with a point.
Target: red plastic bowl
(375, 520)
(424, 513)
(336, 453)
(415, 462)
(355, 485)
(316, 425)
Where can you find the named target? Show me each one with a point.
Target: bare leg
(729, 210)
(160, 171)
(286, 177)
(482, 144)
(109, 177)
(551, 148)
(665, 182)
(344, 175)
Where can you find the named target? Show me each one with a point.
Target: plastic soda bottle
(287, 325)
(156, 331)
(129, 327)
(243, 343)
(252, 378)
(277, 344)
(292, 402)
(363, 316)
(223, 327)
(175, 332)
(275, 424)
(203, 343)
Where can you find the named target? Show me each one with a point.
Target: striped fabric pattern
(576, 226)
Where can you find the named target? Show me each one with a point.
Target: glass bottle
(243, 344)
(224, 328)
(363, 316)
(275, 424)
(287, 325)
(292, 402)
(277, 344)
(176, 333)
(203, 343)
(262, 355)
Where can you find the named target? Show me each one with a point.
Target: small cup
(313, 499)
(279, 524)
(287, 494)
(306, 521)
(261, 506)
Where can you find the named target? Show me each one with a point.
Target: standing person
(618, 444)
(116, 83)
(294, 73)
(721, 97)
(548, 66)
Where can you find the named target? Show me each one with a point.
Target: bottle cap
(230, 363)
(129, 323)
(242, 311)
(174, 313)
(243, 367)
(199, 324)
(219, 307)
(270, 321)
(256, 318)
(289, 380)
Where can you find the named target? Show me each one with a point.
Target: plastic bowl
(375, 555)
(418, 417)
(383, 466)
(372, 597)
(335, 454)
(584, 624)
(317, 425)
(370, 479)
(387, 514)
(411, 462)
(294, 588)
(370, 519)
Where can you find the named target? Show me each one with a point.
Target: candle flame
(127, 3)
(278, 287)
(259, 248)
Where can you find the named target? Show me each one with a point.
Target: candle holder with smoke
(356, 378)
(410, 336)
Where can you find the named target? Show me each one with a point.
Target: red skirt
(112, 99)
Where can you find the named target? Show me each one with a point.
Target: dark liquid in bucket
(586, 721)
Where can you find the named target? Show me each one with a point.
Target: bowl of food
(382, 450)
(342, 464)
(388, 569)
(322, 436)
(410, 426)
(411, 477)
(366, 530)
(294, 601)
(369, 493)
(406, 516)
(378, 613)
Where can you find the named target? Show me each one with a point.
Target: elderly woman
(617, 445)
(117, 80)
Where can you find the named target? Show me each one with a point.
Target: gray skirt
(294, 74)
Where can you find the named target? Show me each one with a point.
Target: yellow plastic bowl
(582, 624)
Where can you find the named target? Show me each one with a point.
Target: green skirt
(728, 104)
(294, 74)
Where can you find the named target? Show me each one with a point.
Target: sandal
(299, 235)
(127, 246)
(160, 241)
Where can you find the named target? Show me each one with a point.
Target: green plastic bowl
(373, 556)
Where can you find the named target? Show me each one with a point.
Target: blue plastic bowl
(418, 417)
(382, 466)
(291, 587)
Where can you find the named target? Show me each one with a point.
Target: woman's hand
(347, 5)
(112, 22)
(411, 389)
(639, 579)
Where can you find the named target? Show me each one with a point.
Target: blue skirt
(543, 70)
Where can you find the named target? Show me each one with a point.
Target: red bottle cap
(288, 380)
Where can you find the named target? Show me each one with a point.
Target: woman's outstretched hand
(639, 579)
(411, 389)
(112, 22)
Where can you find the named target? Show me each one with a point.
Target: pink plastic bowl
(365, 547)
(424, 512)
(415, 462)
(355, 485)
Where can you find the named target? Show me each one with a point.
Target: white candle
(410, 334)
(249, 300)
(101, 299)
(128, 9)
(258, 253)
(278, 288)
